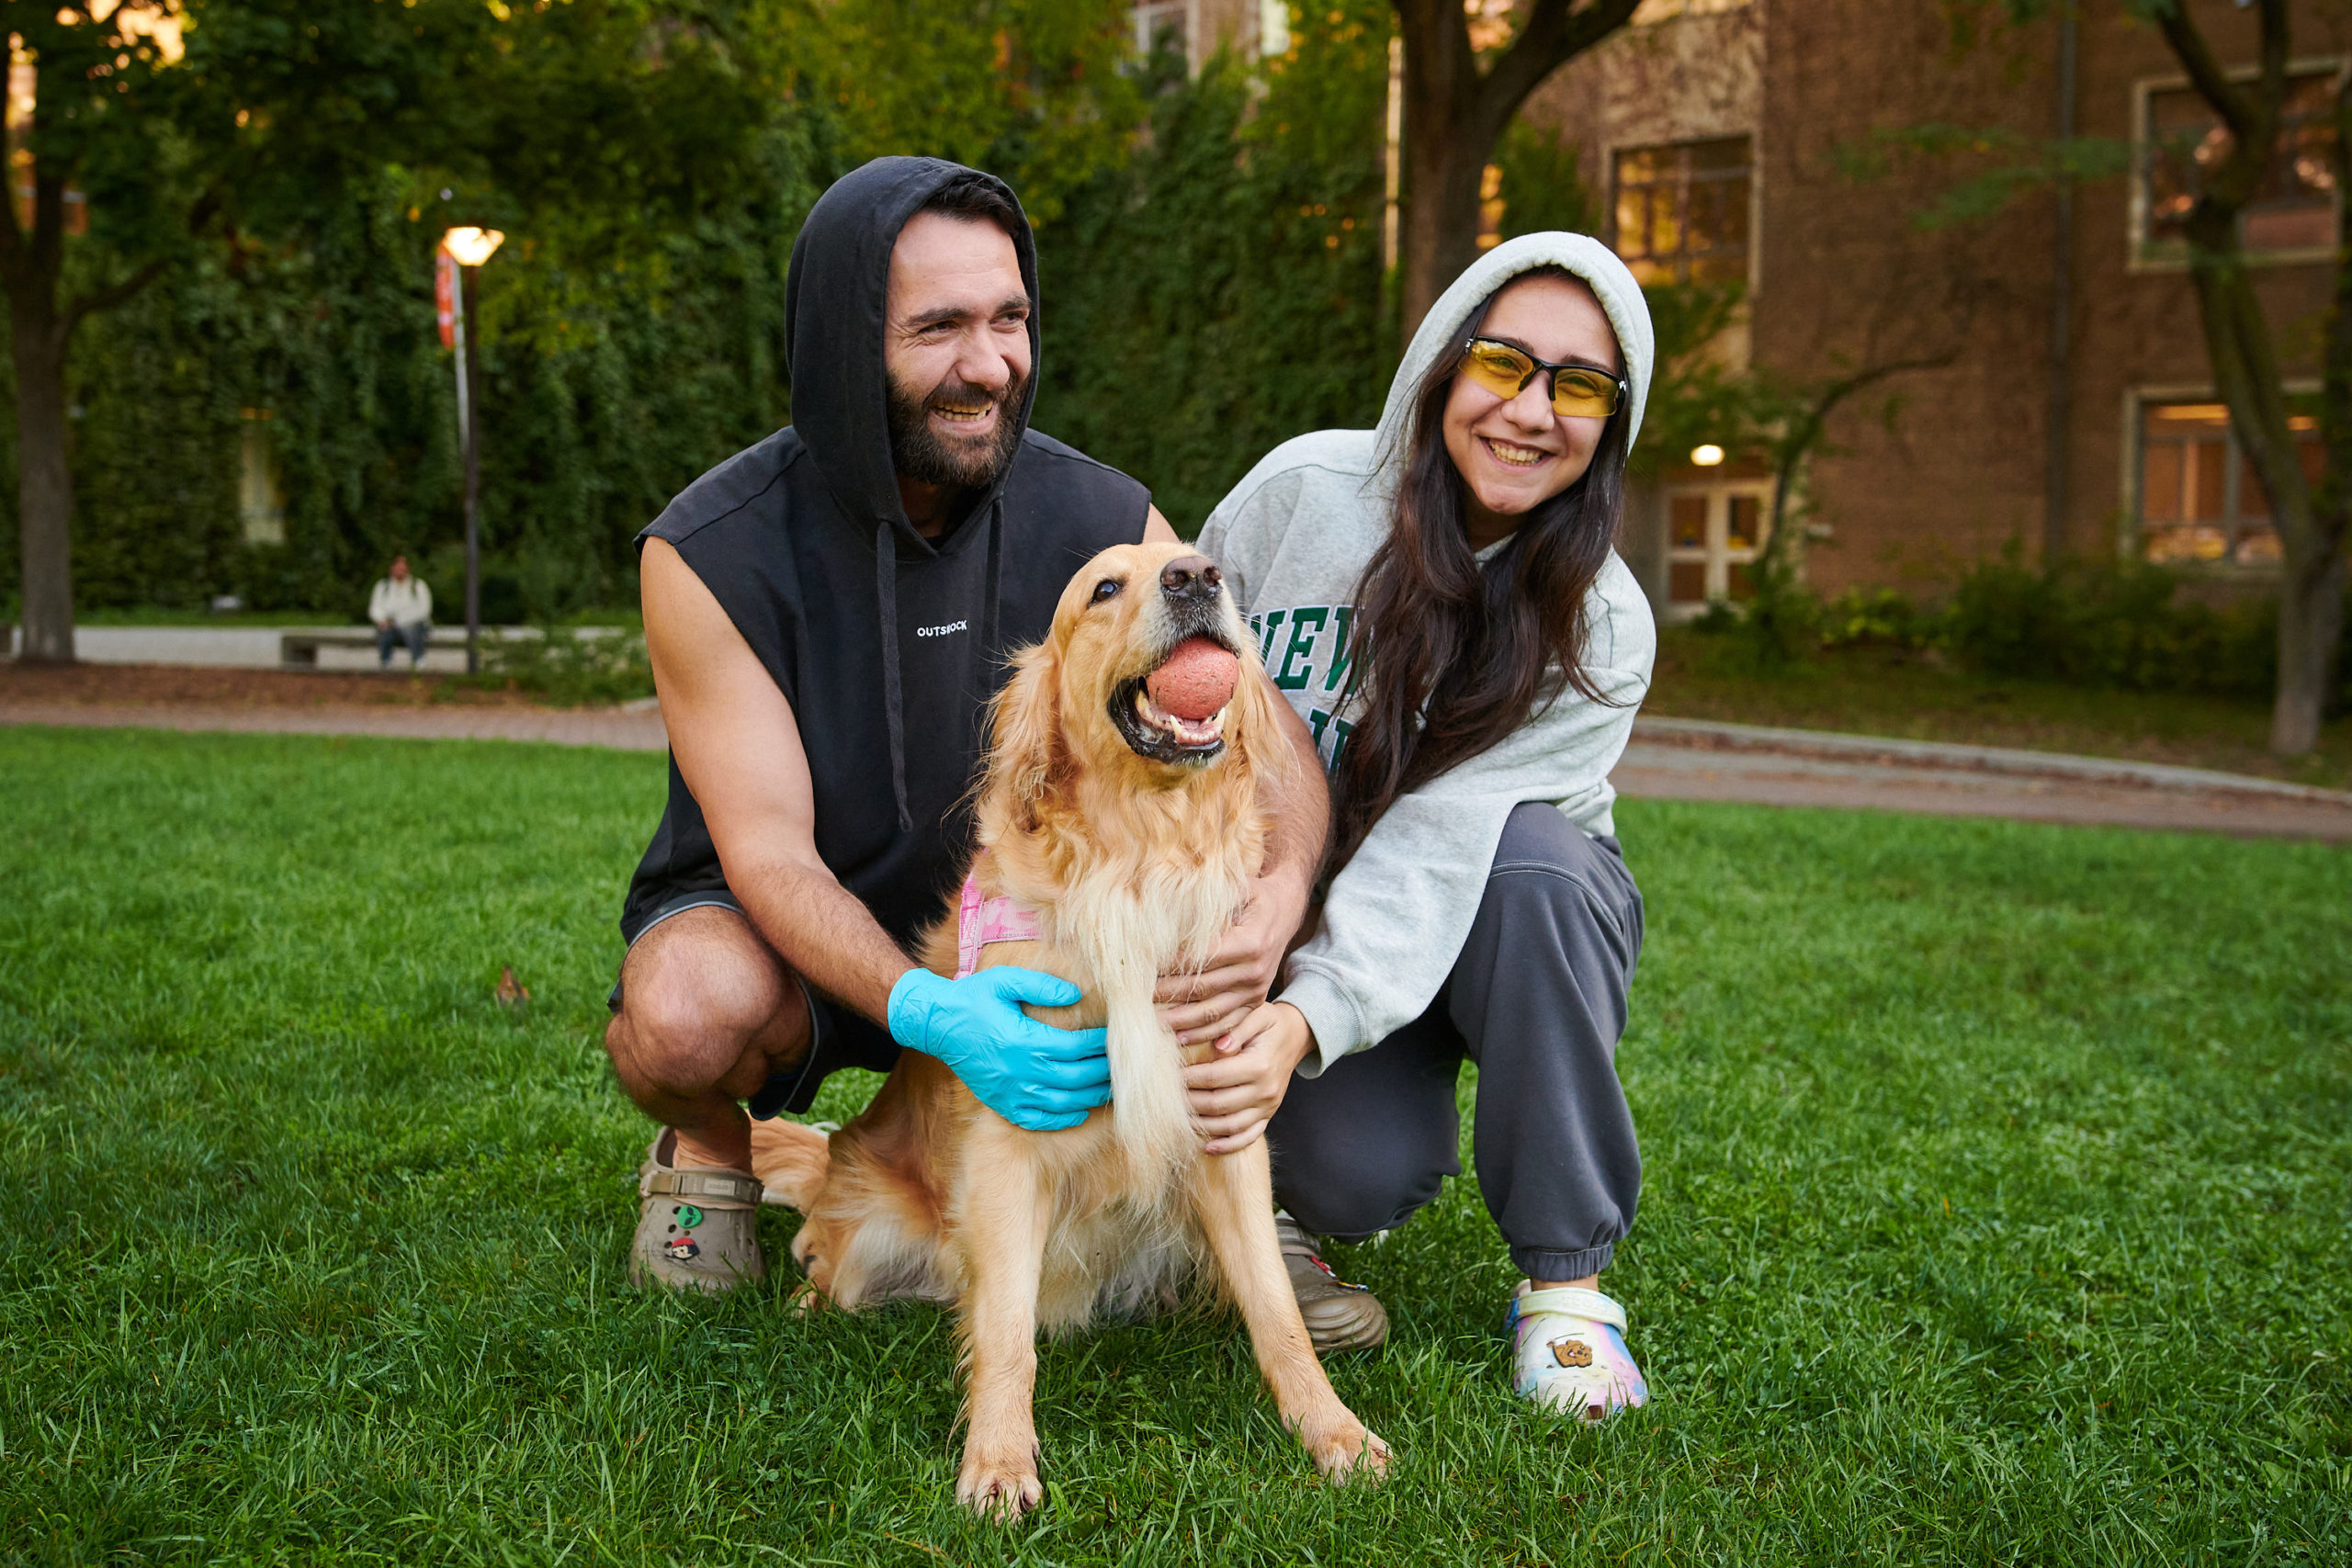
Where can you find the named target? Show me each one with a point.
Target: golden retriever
(1133, 835)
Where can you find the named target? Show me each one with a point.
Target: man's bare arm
(739, 748)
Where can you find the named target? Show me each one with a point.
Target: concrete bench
(299, 651)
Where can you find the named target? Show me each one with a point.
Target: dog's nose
(1191, 577)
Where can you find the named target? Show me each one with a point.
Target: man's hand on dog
(1236, 1092)
(1203, 1005)
(1033, 1075)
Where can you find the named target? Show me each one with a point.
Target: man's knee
(695, 1005)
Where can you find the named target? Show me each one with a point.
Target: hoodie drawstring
(991, 655)
(885, 600)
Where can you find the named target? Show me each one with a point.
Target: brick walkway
(1669, 758)
(1689, 760)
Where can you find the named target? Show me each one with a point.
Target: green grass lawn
(1879, 691)
(2000, 1180)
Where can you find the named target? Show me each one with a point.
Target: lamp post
(463, 250)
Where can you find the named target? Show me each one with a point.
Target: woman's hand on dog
(1214, 1001)
(1236, 1092)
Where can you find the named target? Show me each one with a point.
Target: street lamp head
(471, 247)
(1706, 457)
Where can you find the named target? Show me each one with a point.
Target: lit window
(1490, 206)
(261, 503)
(1153, 17)
(1273, 28)
(2180, 138)
(2200, 500)
(1713, 535)
(1681, 211)
(1650, 13)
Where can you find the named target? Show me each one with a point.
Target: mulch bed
(230, 687)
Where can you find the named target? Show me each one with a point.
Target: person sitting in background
(401, 607)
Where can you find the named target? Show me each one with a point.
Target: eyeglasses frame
(1551, 373)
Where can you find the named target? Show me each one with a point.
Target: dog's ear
(1024, 747)
(1260, 734)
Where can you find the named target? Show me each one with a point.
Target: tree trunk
(44, 480)
(1441, 174)
(2246, 363)
(2311, 629)
(1445, 152)
(2245, 372)
(1455, 113)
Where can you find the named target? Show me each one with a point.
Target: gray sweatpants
(1537, 998)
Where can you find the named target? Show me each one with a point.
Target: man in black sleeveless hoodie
(828, 614)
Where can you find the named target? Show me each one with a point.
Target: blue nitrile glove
(1033, 1075)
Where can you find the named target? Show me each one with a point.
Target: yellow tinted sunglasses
(1579, 392)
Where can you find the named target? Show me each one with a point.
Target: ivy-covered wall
(1211, 277)
(603, 392)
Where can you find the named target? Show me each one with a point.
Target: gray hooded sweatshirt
(1294, 537)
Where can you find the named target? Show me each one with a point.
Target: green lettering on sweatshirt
(1342, 655)
(1267, 629)
(1306, 624)
(1342, 729)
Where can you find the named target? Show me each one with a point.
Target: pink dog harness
(979, 921)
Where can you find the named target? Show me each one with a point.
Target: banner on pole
(445, 296)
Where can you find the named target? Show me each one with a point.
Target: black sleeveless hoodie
(887, 645)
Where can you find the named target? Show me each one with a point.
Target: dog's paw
(1001, 1487)
(1351, 1453)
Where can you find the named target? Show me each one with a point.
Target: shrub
(569, 666)
(1777, 626)
(2114, 624)
(1879, 617)
(2119, 625)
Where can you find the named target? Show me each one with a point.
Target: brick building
(2062, 397)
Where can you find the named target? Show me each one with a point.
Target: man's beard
(921, 454)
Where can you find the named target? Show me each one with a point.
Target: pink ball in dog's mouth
(1196, 682)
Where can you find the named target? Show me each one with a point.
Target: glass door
(1714, 534)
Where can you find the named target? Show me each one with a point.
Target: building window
(1153, 17)
(2179, 139)
(1650, 13)
(1273, 28)
(2200, 500)
(1681, 211)
(1714, 534)
(261, 503)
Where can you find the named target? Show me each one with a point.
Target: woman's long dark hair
(1449, 659)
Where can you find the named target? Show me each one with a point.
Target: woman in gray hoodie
(1440, 601)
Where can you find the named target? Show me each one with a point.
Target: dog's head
(1083, 700)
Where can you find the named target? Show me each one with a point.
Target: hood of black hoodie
(873, 633)
(841, 273)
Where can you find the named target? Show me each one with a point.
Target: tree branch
(1800, 439)
(2206, 73)
(200, 213)
(119, 293)
(1553, 36)
(2251, 117)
